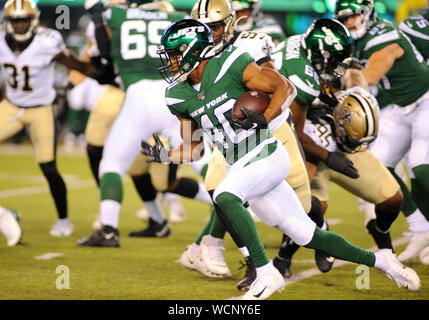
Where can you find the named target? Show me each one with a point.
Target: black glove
(156, 153)
(95, 10)
(253, 120)
(107, 75)
(338, 161)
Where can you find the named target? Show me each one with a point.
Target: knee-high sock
(56, 186)
(408, 205)
(94, 157)
(244, 225)
(337, 246)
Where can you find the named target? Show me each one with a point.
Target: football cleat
(154, 230)
(324, 262)
(402, 275)
(191, 259)
(211, 251)
(283, 266)
(249, 276)
(424, 256)
(267, 282)
(418, 241)
(63, 228)
(106, 237)
(9, 226)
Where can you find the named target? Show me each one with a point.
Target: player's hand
(338, 161)
(156, 153)
(253, 120)
(95, 9)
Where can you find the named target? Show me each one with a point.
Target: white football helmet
(15, 10)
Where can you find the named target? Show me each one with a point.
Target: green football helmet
(184, 44)
(328, 47)
(347, 8)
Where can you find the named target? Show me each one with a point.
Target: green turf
(145, 268)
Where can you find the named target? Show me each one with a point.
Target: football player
(220, 17)
(10, 226)
(143, 112)
(390, 59)
(27, 53)
(306, 55)
(202, 93)
(251, 18)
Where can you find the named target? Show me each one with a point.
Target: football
(255, 100)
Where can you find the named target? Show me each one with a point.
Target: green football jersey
(291, 62)
(269, 26)
(408, 79)
(211, 106)
(136, 36)
(417, 29)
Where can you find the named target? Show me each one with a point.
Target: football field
(43, 267)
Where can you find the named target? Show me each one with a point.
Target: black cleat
(324, 261)
(249, 276)
(106, 237)
(283, 265)
(154, 230)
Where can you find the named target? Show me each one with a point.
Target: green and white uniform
(417, 29)
(136, 35)
(290, 61)
(406, 86)
(257, 162)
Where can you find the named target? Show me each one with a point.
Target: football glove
(338, 161)
(95, 9)
(156, 153)
(253, 120)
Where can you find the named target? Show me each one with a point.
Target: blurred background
(294, 16)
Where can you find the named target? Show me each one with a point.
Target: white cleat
(424, 255)
(142, 214)
(418, 241)
(191, 259)
(402, 275)
(211, 251)
(267, 282)
(9, 226)
(63, 228)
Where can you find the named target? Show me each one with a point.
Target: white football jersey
(321, 134)
(260, 46)
(30, 74)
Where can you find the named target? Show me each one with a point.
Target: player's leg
(281, 208)
(375, 185)
(42, 133)
(418, 161)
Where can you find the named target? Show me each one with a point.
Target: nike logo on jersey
(253, 126)
(309, 83)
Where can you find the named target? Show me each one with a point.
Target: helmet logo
(347, 115)
(190, 32)
(331, 39)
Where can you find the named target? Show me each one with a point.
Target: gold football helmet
(213, 12)
(356, 122)
(16, 10)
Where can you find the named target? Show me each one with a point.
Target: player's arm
(380, 62)
(102, 32)
(313, 152)
(192, 147)
(270, 81)
(355, 78)
(68, 59)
